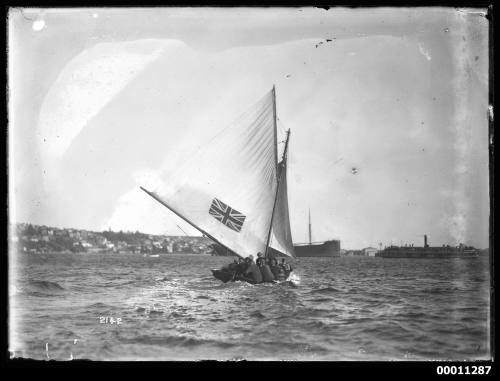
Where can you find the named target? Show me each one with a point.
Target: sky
(387, 107)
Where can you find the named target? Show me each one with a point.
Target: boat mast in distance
(330, 248)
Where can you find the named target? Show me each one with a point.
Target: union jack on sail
(226, 215)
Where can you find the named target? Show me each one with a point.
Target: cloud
(86, 84)
(136, 210)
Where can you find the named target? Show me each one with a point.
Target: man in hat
(260, 259)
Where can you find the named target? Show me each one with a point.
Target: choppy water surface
(171, 308)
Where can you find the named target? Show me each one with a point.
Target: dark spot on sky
(328, 40)
(463, 38)
(354, 170)
(288, 75)
(446, 30)
(477, 57)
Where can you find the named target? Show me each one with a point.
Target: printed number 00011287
(473, 369)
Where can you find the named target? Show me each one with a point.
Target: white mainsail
(227, 189)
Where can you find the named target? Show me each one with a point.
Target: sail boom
(185, 219)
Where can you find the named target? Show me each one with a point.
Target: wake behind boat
(234, 191)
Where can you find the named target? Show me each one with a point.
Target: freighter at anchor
(445, 251)
(330, 248)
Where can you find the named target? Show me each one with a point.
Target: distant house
(100, 241)
(354, 253)
(369, 251)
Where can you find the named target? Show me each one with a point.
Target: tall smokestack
(310, 226)
(425, 241)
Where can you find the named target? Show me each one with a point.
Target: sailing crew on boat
(252, 273)
(265, 270)
(260, 259)
(277, 270)
(286, 268)
(242, 266)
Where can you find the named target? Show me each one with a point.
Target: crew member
(277, 270)
(265, 270)
(252, 273)
(242, 266)
(286, 267)
(260, 259)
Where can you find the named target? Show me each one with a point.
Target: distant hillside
(44, 239)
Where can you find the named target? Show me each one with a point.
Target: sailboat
(330, 248)
(233, 190)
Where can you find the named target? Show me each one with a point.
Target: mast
(185, 219)
(310, 226)
(277, 190)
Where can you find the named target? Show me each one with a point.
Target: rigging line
(181, 229)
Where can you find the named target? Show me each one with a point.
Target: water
(171, 308)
